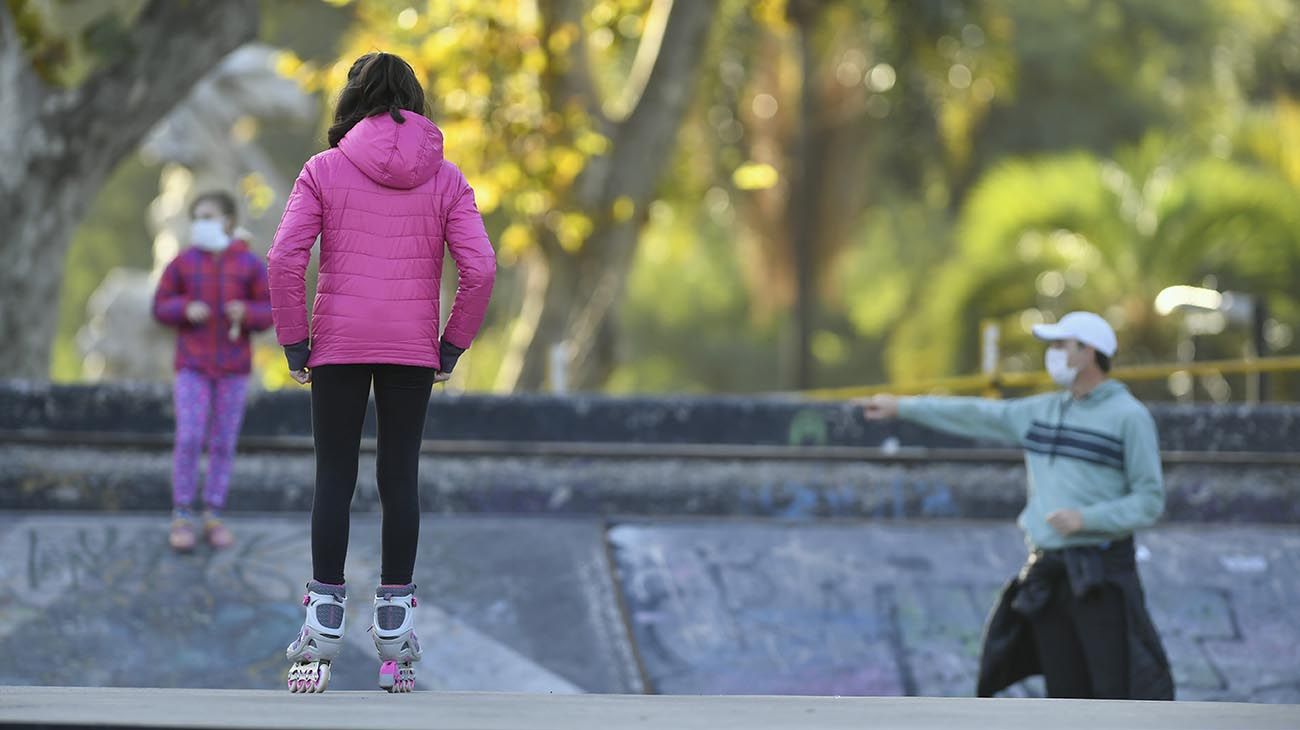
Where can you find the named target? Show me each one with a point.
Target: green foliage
(66, 39)
(1092, 74)
(688, 315)
(489, 70)
(115, 234)
(1025, 158)
(1041, 237)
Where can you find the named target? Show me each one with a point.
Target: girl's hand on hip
(302, 377)
(441, 377)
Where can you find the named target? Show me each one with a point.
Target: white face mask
(1057, 361)
(209, 235)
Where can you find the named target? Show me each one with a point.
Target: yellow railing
(992, 383)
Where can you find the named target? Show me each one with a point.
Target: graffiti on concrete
(107, 598)
(892, 499)
(539, 605)
(887, 609)
(808, 428)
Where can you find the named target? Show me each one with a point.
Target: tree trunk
(58, 146)
(593, 333)
(546, 308)
(804, 216)
(583, 290)
(574, 309)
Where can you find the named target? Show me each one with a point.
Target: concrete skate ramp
(532, 604)
(66, 707)
(100, 600)
(856, 609)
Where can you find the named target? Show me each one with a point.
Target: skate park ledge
(69, 707)
(771, 421)
(107, 447)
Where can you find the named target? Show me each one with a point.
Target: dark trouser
(339, 394)
(1082, 643)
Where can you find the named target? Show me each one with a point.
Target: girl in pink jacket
(384, 204)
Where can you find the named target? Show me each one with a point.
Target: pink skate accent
(389, 677)
(182, 537)
(218, 535)
(414, 603)
(306, 599)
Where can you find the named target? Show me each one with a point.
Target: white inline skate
(394, 634)
(320, 640)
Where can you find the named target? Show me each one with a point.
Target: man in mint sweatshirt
(1076, 612)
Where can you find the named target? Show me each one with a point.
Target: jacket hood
(396, 155)
(1104, 391)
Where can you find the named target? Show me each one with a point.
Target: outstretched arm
(975, 418)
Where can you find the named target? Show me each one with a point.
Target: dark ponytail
(377, 83)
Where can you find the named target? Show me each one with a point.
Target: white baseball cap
(1088, 328)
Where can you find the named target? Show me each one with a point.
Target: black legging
(339, 394)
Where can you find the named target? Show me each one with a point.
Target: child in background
(215, 293)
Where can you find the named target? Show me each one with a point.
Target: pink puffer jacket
(383, 202)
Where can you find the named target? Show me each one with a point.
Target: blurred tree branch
(59, 144)
(574, 308)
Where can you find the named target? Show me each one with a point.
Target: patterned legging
(212, 410)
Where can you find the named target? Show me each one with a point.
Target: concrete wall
(82, 478)
(775, 421)
(48, 459)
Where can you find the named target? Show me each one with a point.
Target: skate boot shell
(395, 639)
(319, 641)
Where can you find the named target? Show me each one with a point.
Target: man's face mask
(209, 235)
(1058, 366)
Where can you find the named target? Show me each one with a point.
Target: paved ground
(78, 707)
(563, 605)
